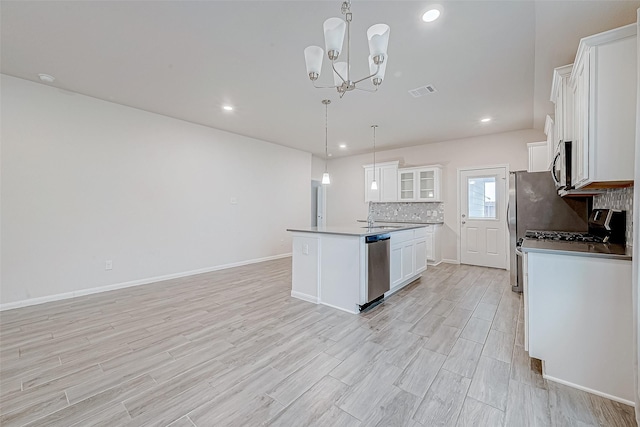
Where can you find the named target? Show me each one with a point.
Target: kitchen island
(579, 316)
(330, 264)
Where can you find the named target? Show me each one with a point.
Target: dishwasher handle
(377, 238)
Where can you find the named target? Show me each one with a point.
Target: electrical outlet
(305, 249)
(234, 201)
(108, 265)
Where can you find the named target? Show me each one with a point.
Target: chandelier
(334, 30)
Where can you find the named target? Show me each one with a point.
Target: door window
(482, 197)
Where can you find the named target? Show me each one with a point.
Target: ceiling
(187, 59)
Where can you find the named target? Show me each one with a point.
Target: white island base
(330, 265)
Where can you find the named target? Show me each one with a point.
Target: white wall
(84, 180)
(346, 204)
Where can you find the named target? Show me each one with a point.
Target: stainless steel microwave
(561, 167)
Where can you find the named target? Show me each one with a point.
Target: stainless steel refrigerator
(534, 204)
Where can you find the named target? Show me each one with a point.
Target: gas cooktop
(564, 236)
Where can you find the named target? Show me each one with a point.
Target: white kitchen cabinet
(549, 130)
(537, 156)
(562, 97)
(386, 176)
(421, 256)
(603, 83)
(420, 184)
(579, 322)
(408, 260)
(395, 266)
(408, 256)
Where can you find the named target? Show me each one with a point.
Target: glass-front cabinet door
(427, 184)
(407, 180)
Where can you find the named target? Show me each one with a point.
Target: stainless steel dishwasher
(378, 277)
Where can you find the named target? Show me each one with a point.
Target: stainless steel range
(605, 226)
(563, 236)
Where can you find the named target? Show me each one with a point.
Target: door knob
(464, 222)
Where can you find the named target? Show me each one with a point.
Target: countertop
(405, 222)
(599, 250)
(353, 230)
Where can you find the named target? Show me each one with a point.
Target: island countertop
(354, 230)
(408, 222)
(601, 250)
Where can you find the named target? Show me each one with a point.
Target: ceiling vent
(423, 90)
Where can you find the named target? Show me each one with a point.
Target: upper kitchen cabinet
(420, 184)
(562, 97)
(386, 176)
(537, 156)
(603, 83)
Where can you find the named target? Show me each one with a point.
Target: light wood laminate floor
(233, 348)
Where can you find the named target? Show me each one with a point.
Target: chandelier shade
(313, 59)
(334, 29)
(378, 36)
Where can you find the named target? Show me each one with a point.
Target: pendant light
(374, 184)
(326, 180)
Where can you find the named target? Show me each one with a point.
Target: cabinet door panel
(408, 260)
(421, 255)
(406, 186)
(580, 152)
(388, 184)
(427, 184)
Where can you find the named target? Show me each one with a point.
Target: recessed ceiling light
(431, 15)
(46, 78)
(486, 120)
(343, 146)
(227, 108)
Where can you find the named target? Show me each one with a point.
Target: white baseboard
(435, 264)
(339, 308)
(588, 390)
(450, 261)
(304, 297)
(96, 290)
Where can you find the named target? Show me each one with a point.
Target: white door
(483, 217)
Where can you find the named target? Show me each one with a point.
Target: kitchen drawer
(402, 236)
(420, 233)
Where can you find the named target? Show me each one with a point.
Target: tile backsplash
(621, 199)
(407, 212)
